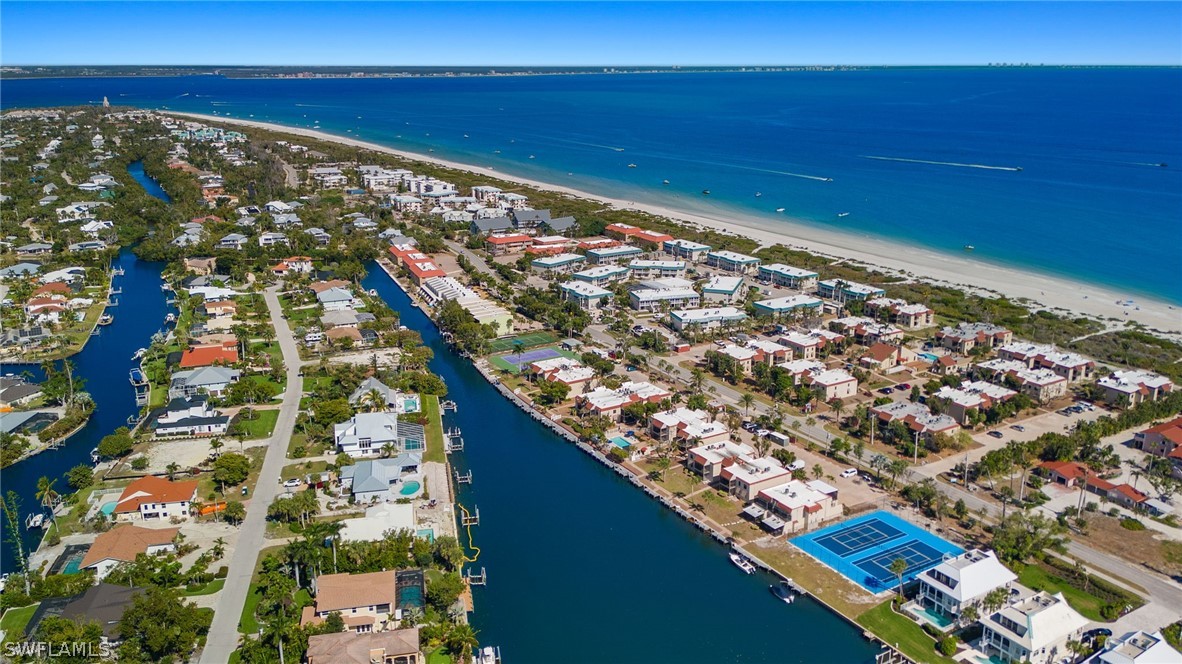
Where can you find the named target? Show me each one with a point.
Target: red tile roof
(204, 356)
(1069, 469)
(151, 489)
(508, 239)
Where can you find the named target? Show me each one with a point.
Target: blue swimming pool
(108, 508)
(410, 488)
(863, 548)
(930, 357)
(620, 442)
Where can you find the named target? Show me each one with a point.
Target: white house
(1034, 630)
(1136, 648)
(958, 583)
(365, 434)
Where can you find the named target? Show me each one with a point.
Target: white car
(292, 483)
(849, 472)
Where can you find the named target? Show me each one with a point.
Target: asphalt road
(223, 634)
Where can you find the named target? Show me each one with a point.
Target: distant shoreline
(1047, 291)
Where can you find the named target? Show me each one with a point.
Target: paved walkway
(223, 634)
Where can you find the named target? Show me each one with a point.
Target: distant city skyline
(526, 34)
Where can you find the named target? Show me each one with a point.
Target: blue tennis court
(516, 362)
(862, 549)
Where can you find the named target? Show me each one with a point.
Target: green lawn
(906, 633)
(249, 624)
(438, 656)
(208, 589)
(434, 430)
(262, 425)
(302, 468)
(1037, 578)
(14, 621)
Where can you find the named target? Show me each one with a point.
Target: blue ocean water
(903, 151)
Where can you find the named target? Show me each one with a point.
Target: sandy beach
(1044, 291)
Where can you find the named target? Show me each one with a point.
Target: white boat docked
(34, 521)
(742, 563)
(139, 353)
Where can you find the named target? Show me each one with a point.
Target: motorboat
(664, 182)
(170, 318)
(843, 214)
(373, 292)
(106, 319)
(969, 247)
(34, 521)
(742, 563)
(780, 209)
(758, 194)
(783, 592)
(140, 353)
(705, 192)
(631, 165)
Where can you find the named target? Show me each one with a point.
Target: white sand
(1043, 291)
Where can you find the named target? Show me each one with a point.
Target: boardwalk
(223, 634)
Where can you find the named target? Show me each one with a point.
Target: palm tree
(388, 450)
(47, 496)
(995, 599)
(747, 401)
(171, 469)
(818, 471)
(375, 399)
(899, 568)
(216, 444)
(460, 642)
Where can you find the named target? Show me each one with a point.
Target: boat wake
(944, 163)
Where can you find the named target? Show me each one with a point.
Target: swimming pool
(620, 442)
(410, 488)
(938, 619)
(930, 357)
(73, 564)
(108, 508)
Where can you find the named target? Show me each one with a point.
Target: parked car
(995, 434)
(292, 483)
(1018, 427)
(887, 390)
(904, 386)
(762, 433)
(795, 466)
(849, 472)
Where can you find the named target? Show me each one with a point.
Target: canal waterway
(583, 567)
(104, 363)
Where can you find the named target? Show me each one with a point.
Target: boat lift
(465, 478)
(475, 579)
(143, 389)
(470, 518)
(453, 441)
(448, 405)
(112, 301)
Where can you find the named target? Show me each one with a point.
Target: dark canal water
(583, 567)
(104, 363)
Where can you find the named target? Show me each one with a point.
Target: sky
(607, 33)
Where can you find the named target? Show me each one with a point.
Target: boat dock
(143, 389)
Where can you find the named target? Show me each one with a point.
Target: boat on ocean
(783, 591)
(664, 182)
(780, 209)
(705, 192)
(531, 157)
(170, 318)
(843, 214)
(373, 292)
(742, 563)
(94, 456)
(631, 165)
(34, 521)
(758, 194)
(969, 247)
(106, 319)
(139, 353)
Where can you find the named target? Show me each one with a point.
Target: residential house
(958, 583)
(201, 266)
(337, 299)
(204, 355)
(365, 434)
(844, 291)
(1163, 440)
(588, 296)
(390, 398)
(732, 261)
(396, 646)
(235, 241)
(529, 220)
(694, 252)
(793, 305)
(646, 269)
(917, 417)
(606, 255)
(372, 480)
(490, 225)
(747, 476)
(661, 294)
(1138, 647)
(1035, 630)
(563, 370)
(705, 319)
(328, 178)
(1042, 385)
(366, 602)
(867, 331)
(708, 460)
(795, 506)
(976, 396)
(558, 264)
(807, 345)
(212, 380)
(610, 403)
(684, 425)
(272, 240)
(152, 497)
(833, 384)
(123, 543)
(884, 357)
(724, 290)
(190, 416)
(901, 312)
(967, 336)
(501, 245)
(787, 276)
(601, 275)
(1130, 387)
(1072, 366)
